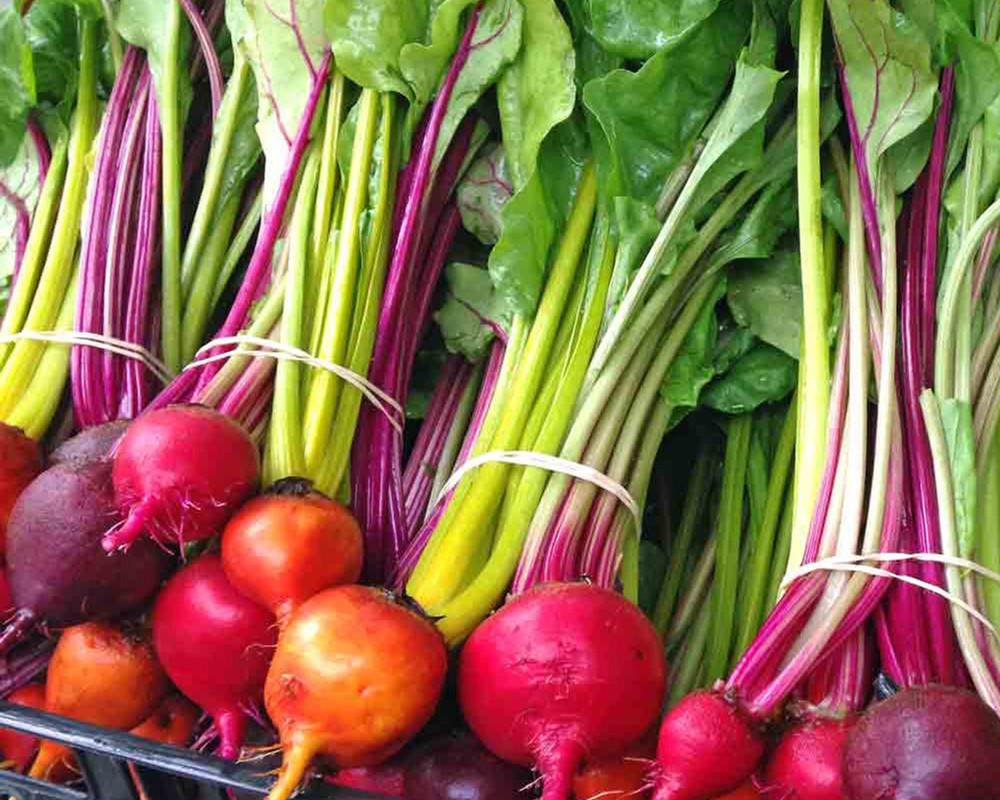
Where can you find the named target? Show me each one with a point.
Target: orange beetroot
(20, 463)
(103, 675)
(622, 776)
(172, 723)
(289, 544)
(20, 748)
(355, 676)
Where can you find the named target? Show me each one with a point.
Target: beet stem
(16, 630)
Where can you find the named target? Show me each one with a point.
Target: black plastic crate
(158, 771)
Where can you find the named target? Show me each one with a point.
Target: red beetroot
(563, 672)
(179, 474)
(215, 643)
(355, 676)
(925, 743)
(90, 444)
(806, 764)
(457, 767)
(289, 544)
(707, 747)
(20, 462)
(20, 748)
(57, 570)
(384, 779)
(747, 791)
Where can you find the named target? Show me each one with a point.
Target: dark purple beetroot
(91, 444)
(59, 573)
(457, 767)
(925, 743)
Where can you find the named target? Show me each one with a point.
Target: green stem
(331, 475)
(56, 276)
(328, 171)
(695, 502)
(727, 557)
(814, 364)
(780, 561)
(685, 677)
(241, 241)
(47, 212)
(978, 669)
(325, 388)
(172, 154)
(440, 581)
(989, 546)
(754, 586)
(213, 259)
(207, 214)
(695, 591)
(284, 457)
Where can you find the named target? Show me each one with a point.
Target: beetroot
(58, 572)
(925, 743)
(179, 474)
(356, 675)
(383, 779)
(215, 644)
(457, 767)
(91, 444)
(806, 764)
(707, 747)
(563, 672)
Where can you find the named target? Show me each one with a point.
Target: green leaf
(773, 214)
(52, 30)
(144, 23)
(17, 83)
(959, 434)
(833, 206)
(733, 342)
(537, 91)
(887, 62)
(473, 313)
(766, 297)
(284, 57)
(483, 193)
(424, 59)
(639, 29)
(651, 118)
(637, 226)
(21, 184)
(977, 79)
(592, 60)
(693, 366)
(495, 44)
(763, 375)
(736, 143)
(368, 36)
(245, 148)
(532, 217)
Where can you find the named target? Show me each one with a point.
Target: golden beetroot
(285, 546)
(172, 723)
(103, 675)
(356, 675)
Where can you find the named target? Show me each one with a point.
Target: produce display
(484, 399)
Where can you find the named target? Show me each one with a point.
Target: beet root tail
(50, 756)
(131, 530)
(298, 756)
(231, 726)
(558, 760)
(16, 630)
